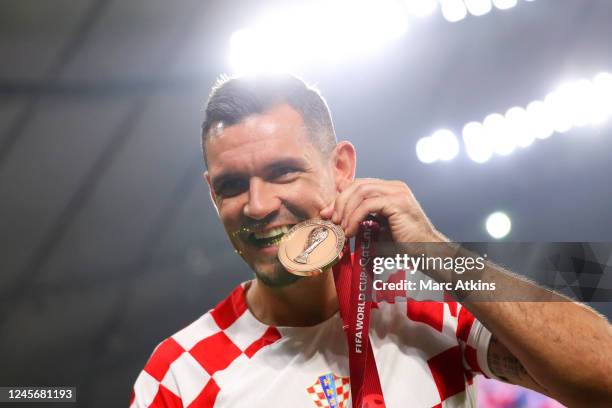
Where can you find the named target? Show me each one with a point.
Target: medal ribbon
(354, 285)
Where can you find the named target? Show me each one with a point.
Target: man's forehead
(258, 140)
(280, 127)
(279, 118)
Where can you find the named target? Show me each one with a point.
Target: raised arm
(564, 348)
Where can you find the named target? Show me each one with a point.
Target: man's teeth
(271, 233)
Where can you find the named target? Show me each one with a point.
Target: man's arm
(561, 349)
(542, 340)
(508, 368)
(564, 346)
(555, 346)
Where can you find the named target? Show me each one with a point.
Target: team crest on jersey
(330, 391)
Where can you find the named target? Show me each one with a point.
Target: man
(276, 341)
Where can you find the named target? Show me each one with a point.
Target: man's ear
(211, 191)
(344, 159)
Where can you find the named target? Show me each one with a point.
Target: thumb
(327, 212)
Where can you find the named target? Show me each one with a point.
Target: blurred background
(496, 113)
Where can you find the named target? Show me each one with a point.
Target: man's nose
(262, 200)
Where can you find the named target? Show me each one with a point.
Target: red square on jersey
(447, 371)
(168, 351)
(215, 353)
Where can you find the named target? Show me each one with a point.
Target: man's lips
(268, 237)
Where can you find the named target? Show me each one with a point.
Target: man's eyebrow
(283, 162)
(286, 162)
(221, 178)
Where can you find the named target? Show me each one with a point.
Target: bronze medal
(311, 247)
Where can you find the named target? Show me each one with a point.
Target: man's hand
(541, 336)
(392, 200)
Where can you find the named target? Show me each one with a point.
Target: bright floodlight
(539, 120)
(446, 144)
(453, 10)
(602, 94)
(603, 80)
(442, 145)
(498, 225)
(504, 4)
(496, 129)
(583, 102)
(477, 144)
(243, 50)
(558, 104)
(517, 120)
(317, 31)
(326, 31)
(426, 151)
(478, 7)
(421, 8)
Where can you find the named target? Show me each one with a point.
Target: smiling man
(266, 174)
(277, 340)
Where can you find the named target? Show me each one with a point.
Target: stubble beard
(274, 275)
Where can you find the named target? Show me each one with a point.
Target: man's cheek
(309, 201)
(230, 213)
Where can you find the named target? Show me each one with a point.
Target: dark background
(109, 242)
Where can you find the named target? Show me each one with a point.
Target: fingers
(369, 205)
(361, 193)
(326, 212)
(363, 197)
(351, 197)
(392, 200)
(343, 197)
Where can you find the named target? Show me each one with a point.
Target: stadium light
(496, 130)
(457, 10)
(478, 7)
(505, 4)
(517, 119)
(539, 121)
(317, 31)
(498, 225)
(421, 8)
(477, 145)
(325, 31)
(572, 105)
(426, 151)
(453, 10)
(441, 145)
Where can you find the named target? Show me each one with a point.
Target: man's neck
(307, 302)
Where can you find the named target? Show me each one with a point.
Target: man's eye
(283, 172)
(232, 188)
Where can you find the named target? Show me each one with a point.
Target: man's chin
(274, 275)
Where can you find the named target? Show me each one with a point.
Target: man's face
(265, 176)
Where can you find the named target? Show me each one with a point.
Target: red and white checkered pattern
(426, 354)
(181, 371)
(343, 392)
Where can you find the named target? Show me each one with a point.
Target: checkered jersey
(426, 354)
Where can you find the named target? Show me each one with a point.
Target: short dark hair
(233, 99)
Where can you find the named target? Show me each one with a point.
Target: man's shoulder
(217, 338)
(181, 367)
(211, 323)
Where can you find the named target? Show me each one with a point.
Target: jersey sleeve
(156, 386)
(474, 339)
